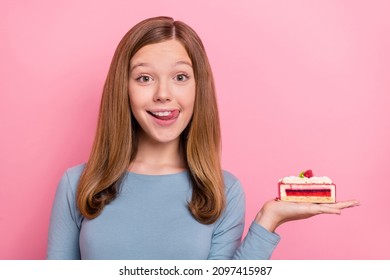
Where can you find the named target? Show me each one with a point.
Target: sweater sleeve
(65, 221)
(226, 242)
(258, 244)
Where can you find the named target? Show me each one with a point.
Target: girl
(153, 187)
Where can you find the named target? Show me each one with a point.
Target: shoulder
(229, 177)
(234, 212)
(233, 186)
(65, 206)
(75, 171)
(72, 175)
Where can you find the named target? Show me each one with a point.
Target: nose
(163, 93)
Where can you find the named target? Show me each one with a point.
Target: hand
(276, 212)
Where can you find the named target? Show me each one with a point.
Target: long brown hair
(115, 144)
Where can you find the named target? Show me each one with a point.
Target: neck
(155, 158)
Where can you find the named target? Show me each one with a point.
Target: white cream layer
(312, 180)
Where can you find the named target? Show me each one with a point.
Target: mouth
(165, 115)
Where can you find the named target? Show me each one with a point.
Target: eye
(144, 79)
(181, 77)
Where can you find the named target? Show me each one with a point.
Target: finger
(336, 208)
(328, 209)
(345, 204)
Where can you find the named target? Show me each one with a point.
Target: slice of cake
(307, 188)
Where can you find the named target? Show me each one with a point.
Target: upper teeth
(161, 114)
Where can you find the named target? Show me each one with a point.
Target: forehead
(171, 50)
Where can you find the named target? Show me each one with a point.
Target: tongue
(174, 114)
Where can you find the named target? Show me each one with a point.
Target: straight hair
(115, 142)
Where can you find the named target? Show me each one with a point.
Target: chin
(161, 139)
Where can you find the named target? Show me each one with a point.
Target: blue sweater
(149, 219)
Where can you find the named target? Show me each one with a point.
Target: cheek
(189, 99)
(191, 105)
(137, 99)
(136, 107)
(133, 103)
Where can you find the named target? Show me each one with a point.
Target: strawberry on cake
(307, 188)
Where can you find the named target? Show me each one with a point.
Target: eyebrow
(144, 64)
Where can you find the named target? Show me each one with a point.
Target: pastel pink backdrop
(301, 84)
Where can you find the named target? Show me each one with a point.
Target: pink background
(301, 84)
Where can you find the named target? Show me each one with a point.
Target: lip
(164, 117)
(162, 110)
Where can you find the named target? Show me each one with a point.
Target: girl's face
(162, 90)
